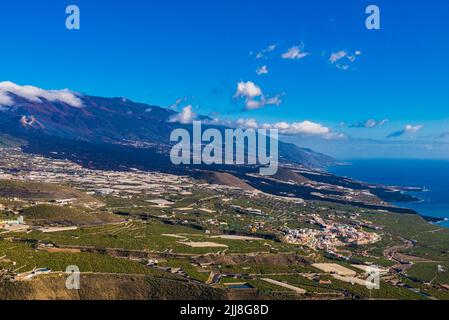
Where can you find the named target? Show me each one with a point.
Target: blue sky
(198, 51)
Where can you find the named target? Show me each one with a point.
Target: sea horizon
(428, 174)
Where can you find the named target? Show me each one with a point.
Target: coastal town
(330, 236)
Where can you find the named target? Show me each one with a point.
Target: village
(330, 236)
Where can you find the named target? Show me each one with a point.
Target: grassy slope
(56, 215)
(34, 191)
(109, 287)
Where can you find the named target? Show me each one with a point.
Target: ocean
(433, 175)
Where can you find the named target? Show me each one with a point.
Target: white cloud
(304, 128)
(370, 123)
(254, 96)
(36, 95)
(336, 56)
(248, 90)
(5, 100)
(342, 59)
(413, 129)
(248, 123)
(262, 70)
(295, 53)
(186, 116)
(409, 129)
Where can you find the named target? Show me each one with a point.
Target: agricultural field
(51, 215)
(214, 237)
(21, 257)
(151, 236)
(37, 191)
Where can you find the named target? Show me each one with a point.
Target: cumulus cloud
(254, 96)
(262, 70)
(36, 95)
(248, 90)
(304, 128)
(370, 123)
(247, 123)
(295, 53)
(186, 116)
(409, 129)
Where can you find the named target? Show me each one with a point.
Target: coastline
(414, 178)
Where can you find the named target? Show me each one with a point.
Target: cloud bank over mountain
(36, 94)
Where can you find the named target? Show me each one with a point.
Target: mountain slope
(288, 175)
(30, 114)
(223, 178)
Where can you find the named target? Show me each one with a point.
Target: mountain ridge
(101, 120)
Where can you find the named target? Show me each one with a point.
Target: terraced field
(152, 237)
(22, 257)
